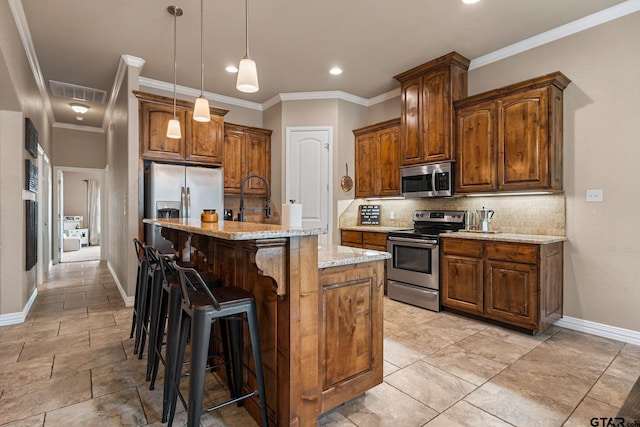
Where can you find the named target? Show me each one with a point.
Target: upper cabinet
(510, 139)
(377, 159)
(201, 143)
(428, 92)
(247, 150)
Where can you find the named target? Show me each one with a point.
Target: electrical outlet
(392, 215)
(594, 195)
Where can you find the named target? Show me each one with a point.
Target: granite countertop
(373, 228)
(506, 237)
(232, 230)
(335, 256)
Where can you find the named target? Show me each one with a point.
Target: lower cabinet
(376, 240)
(519, 284)
(350, 330)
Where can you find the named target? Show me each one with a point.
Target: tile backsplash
(521, 214)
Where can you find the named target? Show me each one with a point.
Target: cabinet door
(204, 140)
(387, 168)
(257, 161)
(411, 138)
(476, 148)
(436, 117)
(155, 144)
(461, 283)
(523, 148)
(366, 165)
(511, 293)
(233, 153)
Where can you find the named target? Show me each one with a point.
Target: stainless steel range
(413, 271)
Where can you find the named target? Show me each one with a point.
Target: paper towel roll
(292, 215)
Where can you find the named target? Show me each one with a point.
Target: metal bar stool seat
(200, 309)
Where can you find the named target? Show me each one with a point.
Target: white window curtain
(93, 198)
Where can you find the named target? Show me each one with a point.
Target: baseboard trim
(600, 329)
(20, 317)
(128, 301)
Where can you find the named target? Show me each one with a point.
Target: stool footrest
(229, 402)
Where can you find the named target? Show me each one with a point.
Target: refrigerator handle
(183, 203)
(188, 202)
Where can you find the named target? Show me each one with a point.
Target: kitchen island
(319, 309)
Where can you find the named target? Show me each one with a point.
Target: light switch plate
(392, 215)
(594, 195)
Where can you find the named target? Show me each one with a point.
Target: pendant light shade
(173, 128)
(247, 76)
(247, 70)
(201, 109)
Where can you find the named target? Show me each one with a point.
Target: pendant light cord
(175, 61)
(246, 28)
(202, 48)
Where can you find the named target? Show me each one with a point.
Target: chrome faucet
(267, 206)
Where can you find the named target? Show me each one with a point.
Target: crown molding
(125, 62)
(78, 127)
(393, 93)
(23, 29)
(183, 90)
(593, 20)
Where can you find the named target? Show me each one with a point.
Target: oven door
(413, 261)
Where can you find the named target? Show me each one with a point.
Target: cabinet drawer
(348, 236)
(374, 239)
(512, 252)
(471, 248)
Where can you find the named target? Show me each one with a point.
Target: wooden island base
(320, 328)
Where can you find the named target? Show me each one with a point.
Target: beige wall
(601, 151)
(75, 194)
(382, 111)
(19, 98)
(78, 148)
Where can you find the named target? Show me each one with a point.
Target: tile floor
(71, 363)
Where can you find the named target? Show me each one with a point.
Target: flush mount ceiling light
(335, 71)
(470, 1)
(173, 128)
(247, 71)
(79, 108)
(201, 110)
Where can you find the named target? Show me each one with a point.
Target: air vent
(80, 93)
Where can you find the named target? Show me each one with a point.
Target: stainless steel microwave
(432, 180)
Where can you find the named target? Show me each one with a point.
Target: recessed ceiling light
(335, 71)
(470, 1)
(79, 108)
(232, 69)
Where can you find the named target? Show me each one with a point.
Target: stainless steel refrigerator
(176, 191)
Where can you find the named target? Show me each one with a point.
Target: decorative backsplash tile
(535, 214)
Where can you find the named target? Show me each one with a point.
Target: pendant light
(247, 71)
(173, 129)
(201, 110)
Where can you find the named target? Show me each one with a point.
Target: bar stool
(200, 309)
(141, 294)
(165, 277)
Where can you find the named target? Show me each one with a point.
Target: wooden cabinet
(376, 240)
(461, 275)
(247, 150)
(427, 95)
(377, 159)
(350, 328)
(510, 139)
(519, 284)
(201, 143)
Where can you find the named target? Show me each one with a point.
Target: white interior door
(307, 175)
